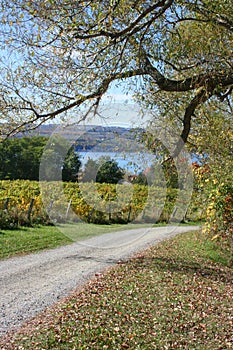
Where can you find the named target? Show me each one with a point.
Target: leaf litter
(170, 296)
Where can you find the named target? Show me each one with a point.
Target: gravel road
(29, 284)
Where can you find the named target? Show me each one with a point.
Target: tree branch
(134, 27)
(217, 18)
(209, 80)
(95, 95)
(201, 97)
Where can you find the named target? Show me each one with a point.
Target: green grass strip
(27, 240)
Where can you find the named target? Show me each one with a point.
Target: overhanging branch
(103, 87)
(209, 80)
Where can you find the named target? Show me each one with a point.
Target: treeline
(20, 158)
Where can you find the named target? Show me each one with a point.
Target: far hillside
(99, 138)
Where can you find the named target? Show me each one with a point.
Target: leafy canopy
(103, 170)
(58, 56)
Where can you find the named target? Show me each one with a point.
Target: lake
(133, 162)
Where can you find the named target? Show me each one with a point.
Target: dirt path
(30, 283)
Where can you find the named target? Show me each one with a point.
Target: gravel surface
(29, 284)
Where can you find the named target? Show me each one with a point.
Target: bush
(217, 196)
(219, 213)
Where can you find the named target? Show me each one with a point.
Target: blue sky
(119, 109)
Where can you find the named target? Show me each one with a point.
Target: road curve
(29, 284)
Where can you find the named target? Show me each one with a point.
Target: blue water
(131, 162)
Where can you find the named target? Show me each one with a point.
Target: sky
(119, 109)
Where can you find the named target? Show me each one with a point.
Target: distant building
(132, 177)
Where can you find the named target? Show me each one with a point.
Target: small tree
(71, 166)
(90, 171)
(109, 172)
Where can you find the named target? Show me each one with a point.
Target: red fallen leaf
(131, 336)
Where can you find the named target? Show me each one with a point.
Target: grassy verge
(177, 295)
(32, 239)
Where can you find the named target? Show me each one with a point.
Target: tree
(90, 171)
(59, 160)
(214, 174)
(102, 170)
(20, 158)
(71, 166)
(109, 172)
(57, 56)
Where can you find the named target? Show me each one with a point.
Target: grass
(83, 230)
(176, 295)
(32, 239)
